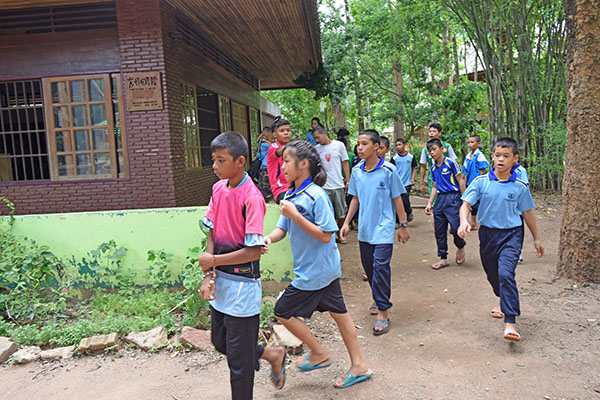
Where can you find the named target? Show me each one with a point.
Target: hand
(539, 248)
(288, 209)
(422, 188)
(428, 209)
(403, 235)
(208, 287)
(206, 261)
(463, 229)
(344, 231)
(265, 249)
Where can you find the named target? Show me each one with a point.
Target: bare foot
(440, 264)
(460, 256)
(497, 312)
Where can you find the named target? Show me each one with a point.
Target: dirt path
(443, 344)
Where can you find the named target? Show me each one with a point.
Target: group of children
(297, 174)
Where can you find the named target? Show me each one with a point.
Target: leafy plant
(158, 273)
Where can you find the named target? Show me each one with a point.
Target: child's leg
(366, 258)
(382, 277)
(452, 213)
(406, 201)
(236, 338)
(488, 252)
(318, 354)
(440, 224)
(358, 366)
(508, 259)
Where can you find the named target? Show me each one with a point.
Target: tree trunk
(338, 115)
(359, 107)
(398, 82)
(580, 231)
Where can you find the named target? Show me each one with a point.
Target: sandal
(511, 336)
(497, 314)
(381, 323)
(279, 381)
(349, 379)
(439, 266)
(373, 310)
(307, 366)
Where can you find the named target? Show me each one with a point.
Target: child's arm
(289, 210)
(413, 175)
(403, 235)
(208, 260)
(429, 206)
(346, 168)
(461, 182)
(422, 173)
(273, 237)
(532, 225)
(351, 211)
(465, 226)
(481, 171)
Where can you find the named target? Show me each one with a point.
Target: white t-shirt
(332, 156)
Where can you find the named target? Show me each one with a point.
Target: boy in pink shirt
(232, 282)
(283, 133)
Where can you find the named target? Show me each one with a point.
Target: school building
(108, 105)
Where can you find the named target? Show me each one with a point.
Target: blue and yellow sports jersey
(445, 176)
(500, 202)
(376, 188)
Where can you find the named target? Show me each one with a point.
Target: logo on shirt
(328, 157)
(511, 196)
(381, 185)
(300, 209)
(445, 171)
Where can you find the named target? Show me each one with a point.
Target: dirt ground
(443, 344)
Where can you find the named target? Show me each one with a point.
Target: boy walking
(502, 198)
(448, 185)
(406, 165)
(232, 283)
(334, 159)
(375, 185)
(282, 133)
(475, 165)
(435, 132)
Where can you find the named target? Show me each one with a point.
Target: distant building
(113, 104)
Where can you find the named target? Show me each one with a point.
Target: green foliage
(106, 267)
(267, 316)
(158, 273)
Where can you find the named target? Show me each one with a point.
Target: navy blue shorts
(295, 302)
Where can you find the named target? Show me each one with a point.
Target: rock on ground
(152, 339)
(7, 348)
(196, 338)
(60, 353)
(27, 354)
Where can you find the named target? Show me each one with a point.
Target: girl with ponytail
(307, 215)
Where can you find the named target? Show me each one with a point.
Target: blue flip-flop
(307, 366)
(280, 379)
(349, 379)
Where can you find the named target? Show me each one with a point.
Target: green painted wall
(72, 236)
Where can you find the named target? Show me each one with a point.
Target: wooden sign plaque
(143, 91)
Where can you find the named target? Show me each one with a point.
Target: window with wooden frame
(85, 127)
(225, 113)
(23, 143)
(191, 141)
(254, 127)
(208, 122)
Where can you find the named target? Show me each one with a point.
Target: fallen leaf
(445, 290)
(425, 260)
(591, 320)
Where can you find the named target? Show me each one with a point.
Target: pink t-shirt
(226, 212)
(276, 177)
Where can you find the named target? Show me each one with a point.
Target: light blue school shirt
(376, 188)
(264, 148)
(521, 173)
(404, 166)
(472, 166)
(316, 264)
(500, 202)
(445, 176)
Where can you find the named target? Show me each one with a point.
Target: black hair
(319, 128)
(232, 141)
(400, 140)
(316, 119)
(303, 150)
(267, 128)
(278, 122)
(436, 125)
(343, 140)
(372, 134)
(343, 132)
(477, 137)
(383, 140)
(507, 142)
(434, 142)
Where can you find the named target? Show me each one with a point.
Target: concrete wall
(72, 236)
